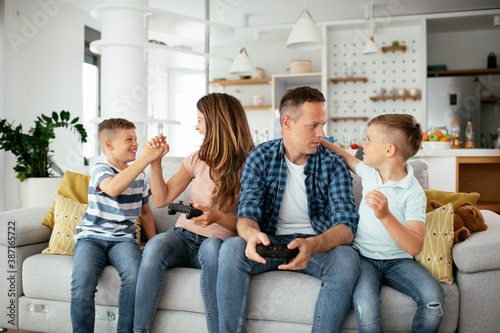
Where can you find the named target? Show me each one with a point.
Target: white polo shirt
(407, 202)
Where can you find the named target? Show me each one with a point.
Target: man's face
(302, 136)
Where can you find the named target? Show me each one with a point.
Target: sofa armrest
(481, 251)
(25, 226)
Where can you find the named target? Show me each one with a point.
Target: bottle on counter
(469, 135)
(455, 135)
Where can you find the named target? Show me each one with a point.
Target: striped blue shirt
(328, 188)
(113, 218)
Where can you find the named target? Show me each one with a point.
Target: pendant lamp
(305, 34)
(371, 46)
(242, 64)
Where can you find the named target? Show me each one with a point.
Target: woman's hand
(208, 217)
(159, 142)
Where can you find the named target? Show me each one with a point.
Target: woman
(214, 171)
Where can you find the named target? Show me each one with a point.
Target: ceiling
(272, 12)
(275, 17)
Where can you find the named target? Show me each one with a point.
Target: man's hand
(251, 250)
(378, 202)
(302, 259)
(208, 217)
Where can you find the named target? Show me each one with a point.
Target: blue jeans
(177, 247)
(406, 276)
(338, 270)
(91, 255)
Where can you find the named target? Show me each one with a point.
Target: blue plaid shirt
(328, 188)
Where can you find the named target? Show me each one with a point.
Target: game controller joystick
(190, 211)
(278, 251)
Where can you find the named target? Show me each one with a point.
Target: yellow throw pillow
(67, 215)
(445, 197)
(73, 186)
(436, 252)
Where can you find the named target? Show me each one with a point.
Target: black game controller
(277, 250)
(190, 211)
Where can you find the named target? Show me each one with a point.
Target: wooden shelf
(378, 98)
(491, 99)
(240, 82)
(256, 107)
(348, 79)
(480, 71)
(348, 118)
(393, 48)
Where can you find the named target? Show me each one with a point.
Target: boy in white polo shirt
(118, 194)
(391, 227)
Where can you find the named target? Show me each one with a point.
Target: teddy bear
(466, 219)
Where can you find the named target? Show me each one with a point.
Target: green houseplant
(32, 149)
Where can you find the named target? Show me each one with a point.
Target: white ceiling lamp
(305, 34)
(242, 64)
(370, 46)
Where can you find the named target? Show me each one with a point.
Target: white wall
(43, 69)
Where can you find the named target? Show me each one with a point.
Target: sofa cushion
(445, 197)
(481, 251)
(74, 186)
(436, 252)
(67, 215)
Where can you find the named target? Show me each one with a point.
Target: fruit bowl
(427, 145)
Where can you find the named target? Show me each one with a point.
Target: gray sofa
(35, 288)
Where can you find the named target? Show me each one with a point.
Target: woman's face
(201, 125)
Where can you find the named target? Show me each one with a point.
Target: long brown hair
(225, 147)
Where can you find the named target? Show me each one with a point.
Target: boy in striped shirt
(118, 195)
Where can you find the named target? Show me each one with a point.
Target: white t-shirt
(294, 217)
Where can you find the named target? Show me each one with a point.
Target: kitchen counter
(479, 152)
(466, 170)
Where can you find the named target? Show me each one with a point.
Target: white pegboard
(390, 70)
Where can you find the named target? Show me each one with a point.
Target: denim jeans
(91, 255)
(406, 276)
(338, 270)
(177, 247)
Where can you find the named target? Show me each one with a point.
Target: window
(90, 91)
(186, 88)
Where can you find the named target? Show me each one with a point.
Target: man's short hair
(109, 128)
(292, 100)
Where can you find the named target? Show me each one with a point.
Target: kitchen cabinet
(244, 82)
(466, 170)
(281, 83)
(482, 175)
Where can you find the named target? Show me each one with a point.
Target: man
(295, 191)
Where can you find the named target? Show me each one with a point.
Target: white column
(124, 77)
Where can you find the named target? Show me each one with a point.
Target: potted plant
(32, 149)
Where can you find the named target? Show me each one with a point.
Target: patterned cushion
(436, 252)
(73, 186)
(67, 215)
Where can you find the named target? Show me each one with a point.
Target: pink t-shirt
(201, 190)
